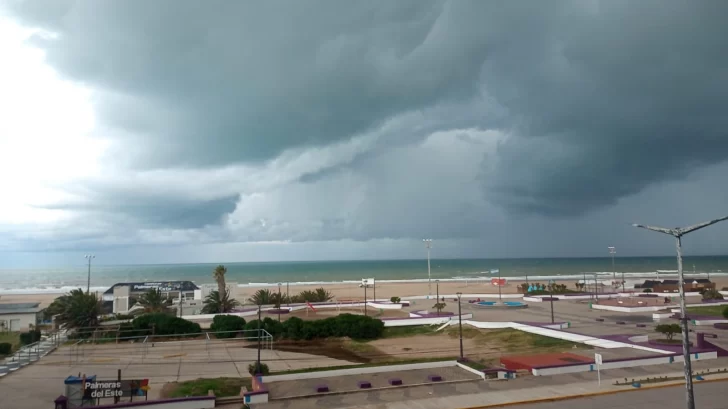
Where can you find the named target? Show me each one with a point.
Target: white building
(18, 316)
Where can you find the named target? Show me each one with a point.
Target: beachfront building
(17, 317)
(122, 295)
(671, 286)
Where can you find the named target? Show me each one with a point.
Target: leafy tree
(439, 306)
(262, 297)
(76, 309)
(669, 330)
(219, 275)
(153, 301)
(395, 300)
(214, 304)
(225, 324)
(725, 312)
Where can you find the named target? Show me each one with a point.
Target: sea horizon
(61, 279)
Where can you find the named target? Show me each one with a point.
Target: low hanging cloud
(329, 120)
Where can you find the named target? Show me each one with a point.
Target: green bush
(5, 348)
(647, 290)
(711, 294)
(29, 337)
(395, 300)
(669, 330)
(725, 312)
(165, 324)
(223, 323)
(262, 371)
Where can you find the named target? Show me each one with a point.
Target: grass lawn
(399, 332)
(199, 387)
(716, 310)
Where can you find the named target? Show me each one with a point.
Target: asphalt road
(711, 395)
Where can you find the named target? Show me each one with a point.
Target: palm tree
(76, 309)
(322, 295)
(219, 275)
(152, 301)
(262, 297)
(215, 304)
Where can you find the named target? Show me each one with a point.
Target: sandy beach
(352, 291)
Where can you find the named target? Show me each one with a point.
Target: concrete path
(480, 393)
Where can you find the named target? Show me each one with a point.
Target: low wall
(194, 402)
(357, 371)
(620, 363)
(404, 322)
(464, 296)
(661, 316)
(709, 321)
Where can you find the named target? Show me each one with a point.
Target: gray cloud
(590, 104)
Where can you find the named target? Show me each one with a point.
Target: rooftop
(19, 308)
(160, 285)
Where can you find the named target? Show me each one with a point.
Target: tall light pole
(260, 333)
(460, 324)
(279, 302)
(89, 257)
(437, 284)
(612, 252)
(551, 298)
(677, 233)
(428, 245)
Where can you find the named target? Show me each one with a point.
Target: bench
(364, 385)
(620, 322)
(322, 389)
(434, 378)
(600, 319)
(395, 382)
(641, 325)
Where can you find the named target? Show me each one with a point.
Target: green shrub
(725, 312)
(711, 294)
(669, 330)
(5, 348)
(223, 323)
(647, 290)
(165, 324)
(29, 337)
(395, 300)
(262, 371)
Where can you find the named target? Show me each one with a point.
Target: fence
(201, 346)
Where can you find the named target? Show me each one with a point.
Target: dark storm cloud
(601, 99)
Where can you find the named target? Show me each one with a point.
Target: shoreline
(721, 279)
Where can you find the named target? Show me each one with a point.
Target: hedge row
(164, 324)
(29, 337)
(223, 324)
(344, 325)
(6, 348)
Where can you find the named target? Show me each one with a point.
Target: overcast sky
(189, 131)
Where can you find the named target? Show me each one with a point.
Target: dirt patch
(337, 349)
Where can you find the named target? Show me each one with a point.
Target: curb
(584, 395)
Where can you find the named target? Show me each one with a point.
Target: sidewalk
(483, 394)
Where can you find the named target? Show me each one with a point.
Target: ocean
(56, 280)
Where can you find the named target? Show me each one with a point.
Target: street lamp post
(89, 257)
(288, 297)
(428, 245)
(551, 298)
(678, 233)
(365, 297)
(460, 324)
(612, 252)
(257, 364)
(279, 302)
(437, 285)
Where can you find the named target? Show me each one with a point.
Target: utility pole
(437, 283)
(89, 257)
(678, 233)
(428, 245)
(551, 298)
(279, 302)
(612, 252)
(257, 364)
(460, 324)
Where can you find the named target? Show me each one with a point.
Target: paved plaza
(37, 385)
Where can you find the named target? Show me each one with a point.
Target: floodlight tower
(677, 233)
(428, 245)
(89, 257)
